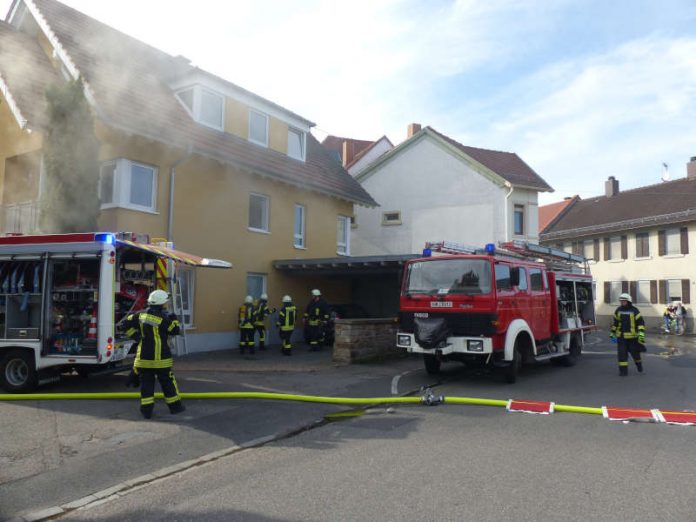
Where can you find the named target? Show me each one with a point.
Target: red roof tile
(548, 213)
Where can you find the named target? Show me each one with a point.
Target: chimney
(611, 186)
(348, 152)
(412, 129)
(691, 168)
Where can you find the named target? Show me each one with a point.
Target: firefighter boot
(262, 345)
(623, 371)
(639, 366)
(146, 410)
(176, 407)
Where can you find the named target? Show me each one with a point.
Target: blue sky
(581, 90)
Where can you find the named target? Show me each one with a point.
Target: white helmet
(264, 297)
(316, 292)
(248, 299)
(158, 298)
(287, 299)
(625, 297)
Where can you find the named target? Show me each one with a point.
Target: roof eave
(12, 104)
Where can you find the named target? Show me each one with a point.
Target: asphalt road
(418, 463)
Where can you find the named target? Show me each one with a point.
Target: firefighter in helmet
(247, 317)
(316, 316)
(261, 311)
(286, 323)
(154, 358)
(628, 331)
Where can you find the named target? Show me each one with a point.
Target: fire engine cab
(64, 296)
(497, 307)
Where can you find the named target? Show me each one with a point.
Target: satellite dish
(665, 172)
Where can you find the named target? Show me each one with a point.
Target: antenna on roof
(665, 172)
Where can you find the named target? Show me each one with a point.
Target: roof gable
(548, 214)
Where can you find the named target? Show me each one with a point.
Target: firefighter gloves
(133, 380)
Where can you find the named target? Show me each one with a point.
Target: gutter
(172, 177)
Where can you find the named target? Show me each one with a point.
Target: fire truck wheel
(513, 370)
(17, 372)
(432, 364)
(573, 353)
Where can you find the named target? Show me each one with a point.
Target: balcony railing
(19, 218)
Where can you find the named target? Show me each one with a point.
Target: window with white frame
(674, 289)
(128, 184)
(299, 236)
(615, 248)
(258, 212)
(206, 106)
(587, 249)
(642, 292)
(519, 220)
(258, 128)
(255, 284)
(672, 241)
(187, 284)
(392, 217)
(343, 235)
(296, 144)
(616, 291)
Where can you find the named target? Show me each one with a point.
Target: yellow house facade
(186, 157)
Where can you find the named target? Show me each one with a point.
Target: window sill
(673, 256)
(394, 223)
(259, 143)
(343, 254)
(616, 260)
(648, 258)
(258, 230)
(299, 247)
(129, 207)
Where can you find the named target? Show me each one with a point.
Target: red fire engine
(63, 298)
(495, 307)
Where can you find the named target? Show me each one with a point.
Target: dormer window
(258, 128)
(296, 144)
(205, 106)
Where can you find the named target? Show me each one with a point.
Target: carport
(374, 281)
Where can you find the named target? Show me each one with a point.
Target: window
(502, 277)
(642, 292)
(128, 184)
(587, 249)
(187, 283)
(523, 279)
(535, 279)
(258, 212)
(343, 235)
(391, 218)
(256, 284)
(615, 247)
(296, 144)
(299, 240)
(616, 289)
(258, 128)
(673, 241)
(519, 220)
(674, 289)
(205, 106)
(642, 246)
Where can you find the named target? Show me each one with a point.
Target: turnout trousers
(285, 336)
(626, 346)
(246, 339)
(261, 329)
(169, 389)
(314, 334)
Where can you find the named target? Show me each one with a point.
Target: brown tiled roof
(508, 165)
(366, 150)
(335, 143)
(129, 81)
(663, 203)
(26, 83)
(551, 212)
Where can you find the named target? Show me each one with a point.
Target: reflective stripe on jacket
(261, 313)
(153, 326)
(286, 318)
(246, 316)
(628, 322)
(317, 311)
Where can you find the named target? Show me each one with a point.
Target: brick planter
(359, 340)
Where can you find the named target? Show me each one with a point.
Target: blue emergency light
(427, 252)
(105, 238)
(490, 249)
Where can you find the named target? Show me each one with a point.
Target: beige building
(641, 241)
(185, 155)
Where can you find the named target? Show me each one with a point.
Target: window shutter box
(686, 291)
(607, 292)
(684, 233)
(624, 247)
(653, 291)
(595, 254)
(607, 247)
(661, 244)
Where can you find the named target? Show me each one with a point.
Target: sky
(580, 89)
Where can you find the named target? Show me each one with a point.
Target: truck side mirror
(515, 276)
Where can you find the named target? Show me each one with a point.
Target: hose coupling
(428, 399)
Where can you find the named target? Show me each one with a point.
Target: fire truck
(63, 298)
(498, 307)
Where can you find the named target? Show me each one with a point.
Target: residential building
(185, 155)
(639, 241)
(430, 188)
(548, 214)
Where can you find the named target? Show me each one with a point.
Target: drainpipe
(172, 176)
(507, 201)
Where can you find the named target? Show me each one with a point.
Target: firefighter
(286, 323)
(628, 331)
(316, 316)
(153, 359)
(261, 311)
(247, 316)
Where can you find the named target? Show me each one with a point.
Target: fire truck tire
(573, 353)
(513, 370)
(432, 364)
(17, 372)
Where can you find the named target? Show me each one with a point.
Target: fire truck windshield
(449, 276)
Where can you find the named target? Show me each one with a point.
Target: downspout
(172, 177)
(507, 201)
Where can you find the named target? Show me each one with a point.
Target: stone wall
(358, 340)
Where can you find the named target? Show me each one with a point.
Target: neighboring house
(432, 188)
(639, 241)
(368, 156)
(549, 214)
(344, 150)
(186, 156)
